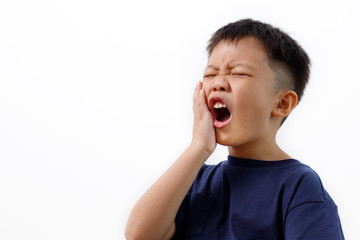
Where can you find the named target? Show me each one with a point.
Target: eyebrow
(231, 66)
(236, 64)
(212, 66)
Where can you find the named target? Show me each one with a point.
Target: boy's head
(287, 59)
(254, 78)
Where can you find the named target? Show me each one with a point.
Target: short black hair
(286, 57)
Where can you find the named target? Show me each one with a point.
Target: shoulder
(208, 172)
(305, 186)
(209, 176)
(311, 213)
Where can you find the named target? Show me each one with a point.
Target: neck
(266, 151)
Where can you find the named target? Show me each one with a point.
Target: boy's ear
(285, 103)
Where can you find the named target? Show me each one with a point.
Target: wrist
(199, 150)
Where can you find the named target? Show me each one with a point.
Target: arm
(153, 216)
(314, 220)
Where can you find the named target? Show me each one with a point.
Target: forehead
(247, 51)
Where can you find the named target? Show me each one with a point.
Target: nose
(220, 84)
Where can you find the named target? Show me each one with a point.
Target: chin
(223, 140)
(230, 140)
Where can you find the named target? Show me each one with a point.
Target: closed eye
(209, 75)
(240, 74)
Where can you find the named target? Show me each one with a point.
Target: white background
(96, 102)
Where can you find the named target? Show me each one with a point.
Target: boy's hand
(153, 216)
(204, 131)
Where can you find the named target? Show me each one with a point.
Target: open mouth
(221, 113)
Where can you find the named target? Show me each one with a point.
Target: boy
(255, 76)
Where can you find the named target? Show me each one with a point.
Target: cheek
(206, 88)
(250, 107)
(205, 84)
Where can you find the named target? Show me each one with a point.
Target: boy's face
(238, 76)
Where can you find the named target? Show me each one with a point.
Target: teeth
(219, 105)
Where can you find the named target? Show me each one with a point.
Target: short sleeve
(314, 220)
(183, 214)
(312, 214)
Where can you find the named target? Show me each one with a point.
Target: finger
(198, 86)
(202, 95)
(202, 100)
(196, 91)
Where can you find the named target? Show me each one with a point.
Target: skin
(256, 112)
(240, 74)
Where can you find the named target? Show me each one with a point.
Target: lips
(220, 111)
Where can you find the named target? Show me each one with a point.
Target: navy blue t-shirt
(252, 199)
